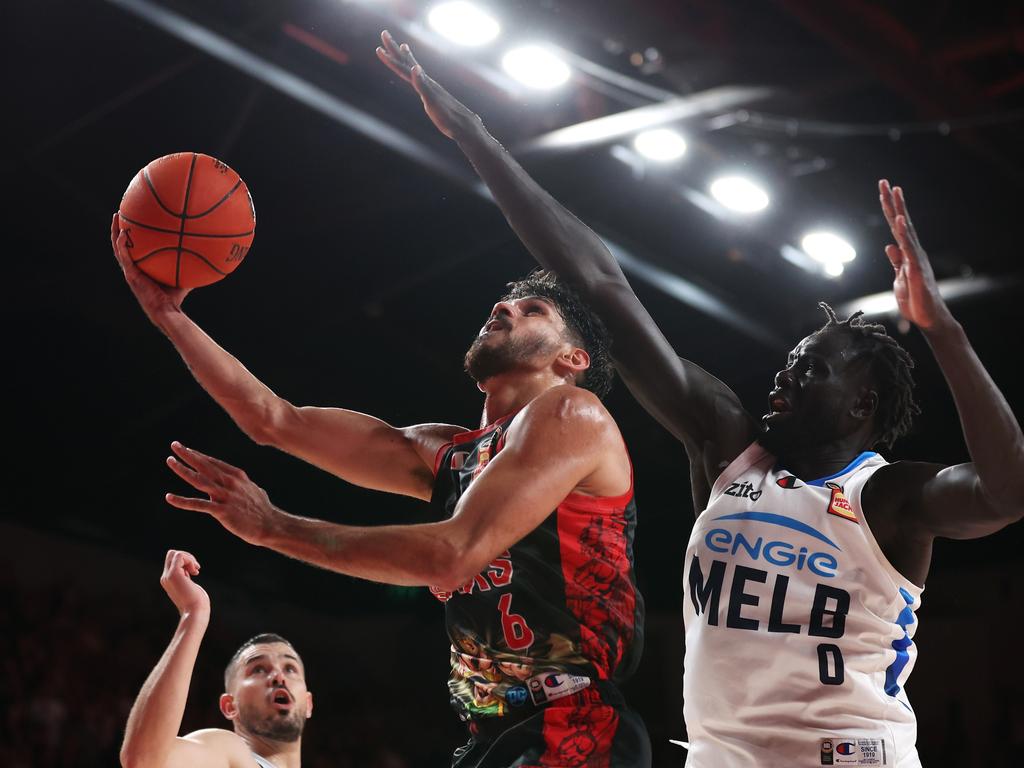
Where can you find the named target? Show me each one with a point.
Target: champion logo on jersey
(839, 505)
(788, 481)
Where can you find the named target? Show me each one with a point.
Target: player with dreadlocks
(806, 566)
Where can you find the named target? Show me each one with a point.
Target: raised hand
(151, 295)
(234, 500)
(450, 115)
(917, 294)
(187, 596)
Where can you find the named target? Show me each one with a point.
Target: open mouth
(281, 698)
(779, 404)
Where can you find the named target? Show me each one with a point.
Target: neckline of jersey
(848, 468)
(471, 434)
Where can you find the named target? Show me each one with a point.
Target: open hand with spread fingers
(450, 115)
(917, 293)
(234, 500)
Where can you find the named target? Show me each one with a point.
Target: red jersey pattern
(561, 600)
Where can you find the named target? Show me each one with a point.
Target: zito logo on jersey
(839, 505)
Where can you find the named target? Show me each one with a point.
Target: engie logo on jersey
(775, 551)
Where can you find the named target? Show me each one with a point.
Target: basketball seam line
(187, 234)
(184, 216)
(197, 254)
(217, 204)
(149, 183)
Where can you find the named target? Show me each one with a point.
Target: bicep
(208, 748)
(365, 450)
(688, 401)
(953, 505)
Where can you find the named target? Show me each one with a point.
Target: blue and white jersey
(262, 762)
(798, 629)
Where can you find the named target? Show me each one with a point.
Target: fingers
(190, 564)
(885, 198)
(393, 65)
(398, 58)
(901, 210)
(202, 461)
(178, 560)
(909, 249)
(895, 256)
(192, 505)
(192, 477)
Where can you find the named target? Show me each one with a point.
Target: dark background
(370, 273)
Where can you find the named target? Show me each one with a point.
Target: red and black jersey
(556, 612)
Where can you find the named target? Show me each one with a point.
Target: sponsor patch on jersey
(550, 686)
(788, 481)
(516, 696)
(848, 751)
(839, 505)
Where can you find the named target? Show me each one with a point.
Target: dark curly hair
(891, 366)
(586, 328)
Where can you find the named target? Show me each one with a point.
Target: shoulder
(897, 488)
(566, 407)
(225, 746)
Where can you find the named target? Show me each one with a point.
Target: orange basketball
(189, 220)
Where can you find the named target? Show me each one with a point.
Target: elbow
(452, 566)
(132, 758)
(269, 423)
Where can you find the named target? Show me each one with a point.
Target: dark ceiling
(372, 268)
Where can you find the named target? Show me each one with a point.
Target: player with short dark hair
(265, 695)
(806, 566)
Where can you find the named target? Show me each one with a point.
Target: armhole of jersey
(752, 454)
(439, 456)
(854, 497)
(608, 502)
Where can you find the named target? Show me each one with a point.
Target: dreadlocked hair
(585, 328)
(891, 366)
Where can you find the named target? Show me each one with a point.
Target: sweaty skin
(908, 503)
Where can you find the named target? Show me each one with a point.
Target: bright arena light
(661, 144)
(463, 23)
(828, 248)
(739, 194)
(536, 67)
(833, 268)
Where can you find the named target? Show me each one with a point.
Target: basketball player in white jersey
(265, 694)
(806, 567)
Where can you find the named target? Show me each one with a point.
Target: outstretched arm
(563, 440)
(692, 404)
(151, 735)
(968, 500)
(354, 446)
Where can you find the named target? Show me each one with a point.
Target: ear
(228, 708)
(309, 705)
(573, 362)
(866, 405)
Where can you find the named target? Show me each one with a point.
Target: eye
(291, 668)
(259, 669)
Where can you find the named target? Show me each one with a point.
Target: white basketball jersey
(798, 629)
(262, 762)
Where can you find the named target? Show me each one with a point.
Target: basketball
(189, 220)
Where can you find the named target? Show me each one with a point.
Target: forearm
(249, 402)
(405, 555)
(555, 237)
(155, 718)
(991, 430)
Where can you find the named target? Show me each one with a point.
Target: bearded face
(279, 725)
(491, 355)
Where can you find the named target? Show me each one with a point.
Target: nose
(277, 677)
(503, 308)
(783, 377)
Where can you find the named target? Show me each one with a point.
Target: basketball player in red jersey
(767, 681)
(531, 548)
(265, 695)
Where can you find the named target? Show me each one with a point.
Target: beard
(484, 361)
(277, 727)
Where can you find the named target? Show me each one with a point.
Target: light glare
(536, 67)
(828, 248)
(463, 23)
(739, 194)
(833, 268)
(661, 144)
